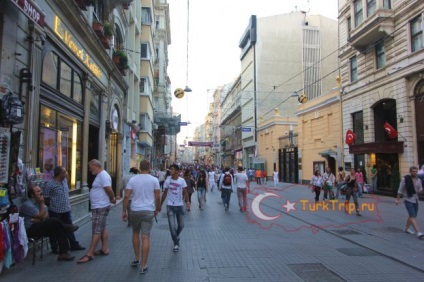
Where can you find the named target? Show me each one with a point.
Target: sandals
(82, 259)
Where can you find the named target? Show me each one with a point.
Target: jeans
(65, 218)
(360, 189)
(275, 183)
(351, 192)
(225, 196)
(201, 195)
(241, 194)
(176, 222)
(374, 183)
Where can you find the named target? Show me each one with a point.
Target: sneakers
(410, 231)
(176, 248)
(420, 235)
(135, 263)
(144, 270)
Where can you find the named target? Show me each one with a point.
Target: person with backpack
(201, 187)
(226, 187)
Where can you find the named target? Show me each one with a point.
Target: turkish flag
(390, 130)
(350, 137)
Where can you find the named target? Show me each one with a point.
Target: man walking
(409, 187)
(226, 187)
(56, 194)
(145, 192)
(101, 198)
(125, 179)
(243, 185)
(329, 179)
(175, 204)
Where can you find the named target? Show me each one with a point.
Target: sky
(215, 28)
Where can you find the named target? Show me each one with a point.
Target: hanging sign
(31, 10)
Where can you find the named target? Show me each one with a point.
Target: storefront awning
(328, 153)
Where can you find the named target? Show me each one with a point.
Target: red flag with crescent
(350, 137)
(390, 130)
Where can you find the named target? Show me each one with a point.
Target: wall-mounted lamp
(400, 118)
(12, 109)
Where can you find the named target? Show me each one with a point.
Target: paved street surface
(270, 242)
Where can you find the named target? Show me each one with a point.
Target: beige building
(320, 142)
(282, 57)
(381, 57)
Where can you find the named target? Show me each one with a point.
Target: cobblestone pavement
(270, 242)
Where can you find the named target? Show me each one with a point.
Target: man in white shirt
(101, 198)
(145, 192)
(243, 186)
(177, 189)
(125, 179)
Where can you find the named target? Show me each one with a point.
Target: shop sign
(63, 33)
(31, 10)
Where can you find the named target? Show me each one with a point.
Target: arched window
(419, 117)
(384, 111)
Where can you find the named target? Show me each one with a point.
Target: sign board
(200, 144)
(31, 10)
(246, 129)
(182, 123)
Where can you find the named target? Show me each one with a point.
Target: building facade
(271, 78)
(58, 60)
(381, 58)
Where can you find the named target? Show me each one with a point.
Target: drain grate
(346, 232)
(314, 272)
(358, 252)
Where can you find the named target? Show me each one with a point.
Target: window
(353, 69)
(417, 33)
(146, 15)
(60, 144)
(145, 51)
(359, 17)
(380, 54)
(62, 77)
(370, 7)
(387, 4)
(358, 127)
(349, 24)
(144, 86)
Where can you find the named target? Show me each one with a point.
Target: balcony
(374, 28)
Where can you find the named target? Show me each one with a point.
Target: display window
(60, 144)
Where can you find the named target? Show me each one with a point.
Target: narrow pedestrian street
(282, 237)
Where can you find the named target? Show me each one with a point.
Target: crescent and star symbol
(257, 201)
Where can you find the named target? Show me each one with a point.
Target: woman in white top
(275, 178)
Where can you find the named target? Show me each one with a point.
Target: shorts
(142, 220)
(99, 217)
(412, 208)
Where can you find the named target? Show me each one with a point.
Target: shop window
(95, 103)
(60, 144)
(358, 127)
(417, 34)
(62, 77)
